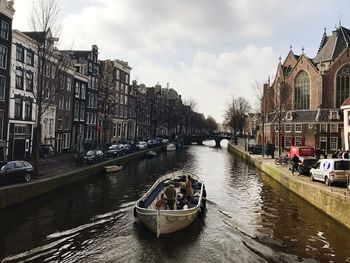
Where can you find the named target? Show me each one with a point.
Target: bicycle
(282, 160)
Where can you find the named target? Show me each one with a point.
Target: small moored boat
(113, 168)
(171, 147)
(151, 154)
(151, 208)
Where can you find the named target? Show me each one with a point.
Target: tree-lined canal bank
(250, 217)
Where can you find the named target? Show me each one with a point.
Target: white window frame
(333, 143)
(333, 128)
(287, 142)
(287, 126)
(2, 29)
(323, 127)
(5, 56)
(297, 140)
(298, 128)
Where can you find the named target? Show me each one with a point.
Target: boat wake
(62, 245)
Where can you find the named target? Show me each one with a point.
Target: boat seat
(148, 201)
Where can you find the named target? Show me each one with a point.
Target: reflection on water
(249, 218)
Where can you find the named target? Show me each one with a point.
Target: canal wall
(333, 203)
(11, 195)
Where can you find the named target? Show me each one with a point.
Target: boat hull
(161, 221)
(112, 168)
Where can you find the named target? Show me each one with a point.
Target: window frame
(4, 56)
(4, 30)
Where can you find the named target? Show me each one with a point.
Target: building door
(19, 147)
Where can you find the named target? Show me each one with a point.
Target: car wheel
(27, 177)
(312, 177)
(326, 181)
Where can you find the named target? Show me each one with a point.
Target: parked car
(158, 141)
(165, 141)
(151, 143)
(141, 145)
(15, 171)
(305, 164)
(94, 156)
(331, 171)
(255, 148)
(116, 150)
(129, 146)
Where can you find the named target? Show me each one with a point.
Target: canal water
(249, 218)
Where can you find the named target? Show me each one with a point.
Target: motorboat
(151, 210)
(171, 147)
(113, 168)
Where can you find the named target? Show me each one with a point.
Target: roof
(39, 36)
(346, 102)
(302, 116)
(331, 46)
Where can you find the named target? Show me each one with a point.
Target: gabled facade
(311, 92)
(22, 103)
(6, 14)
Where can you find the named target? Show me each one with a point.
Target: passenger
(181, 199)
(170, 193)
(189, 189)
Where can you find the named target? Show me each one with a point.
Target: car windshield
(91, 153)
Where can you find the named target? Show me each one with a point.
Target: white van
(331, 170)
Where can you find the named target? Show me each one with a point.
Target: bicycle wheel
(277, 161)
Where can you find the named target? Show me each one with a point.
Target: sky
(210, 51)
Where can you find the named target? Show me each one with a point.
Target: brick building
(302, 105)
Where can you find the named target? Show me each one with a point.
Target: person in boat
(170, 194)
(181, 199)
(189, 189)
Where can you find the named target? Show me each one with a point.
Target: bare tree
(236, 115)
(50, 65)
(190, 106)
(211, 124)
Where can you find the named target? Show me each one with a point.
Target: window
(286, 141)
(333, 128)
(76, 110)
(69, 84)
(323, 127)
(342, 91)
(323, 142)
(30, 58)
(19, 78)
(82, 111)
(19, 53)
(77, 90)
(4, 30)
(67, 101)
(287, 128)
(333, 143)
(298, 140)
(66, 141)
(30, 81)
(2, 87)
(61, 102)
(28, 109)
(18, 107)
(83, 90)
(298, 128)
(118, 73)
(3, 56)
(302, 91)
(66, 122)
(277, 141)
(127, 79)
(51, 126)
(1, 124)
(59, 123)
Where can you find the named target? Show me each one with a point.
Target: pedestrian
(295, 161)
(170, 194)
(324, 153)
(318, 153)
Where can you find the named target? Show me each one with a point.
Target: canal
(249, 218)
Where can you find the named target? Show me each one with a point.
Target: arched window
(302, 91)
(342, 85)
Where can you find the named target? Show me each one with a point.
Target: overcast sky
(208, 50)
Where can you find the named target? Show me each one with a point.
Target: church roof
(332, 45)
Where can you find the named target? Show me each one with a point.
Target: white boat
(151, 208)
(113, 168)
(171, 147)
(151, 154)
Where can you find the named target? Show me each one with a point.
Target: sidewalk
(284, 169)
(58, 164)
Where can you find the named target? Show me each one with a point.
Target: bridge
(199, 138)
